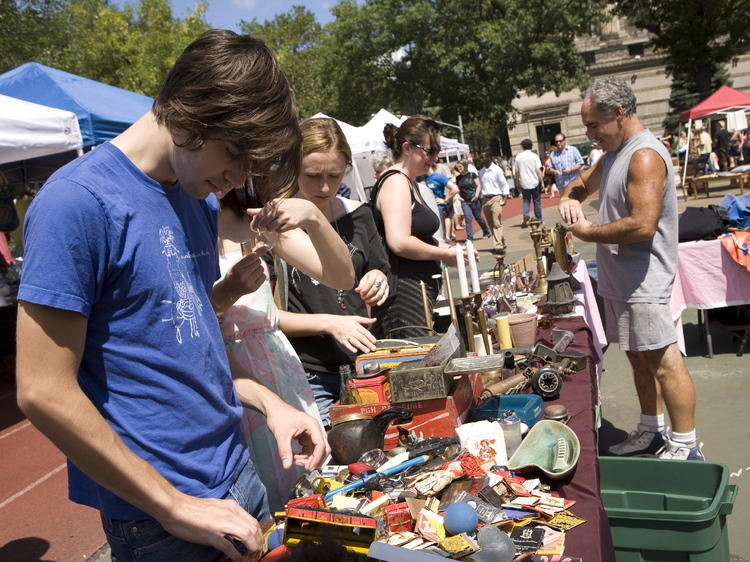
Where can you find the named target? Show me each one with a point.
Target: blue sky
(228, 13)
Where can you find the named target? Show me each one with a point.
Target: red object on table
(592, 540)
(398, 517)
(437, 417)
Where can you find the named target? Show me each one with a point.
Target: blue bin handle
(727, 502)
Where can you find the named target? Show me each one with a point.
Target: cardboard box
(437, 417)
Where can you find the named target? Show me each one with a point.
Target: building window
(589, 57)
(636, 51)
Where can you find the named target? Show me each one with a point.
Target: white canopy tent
(29, 130)
(369, 137)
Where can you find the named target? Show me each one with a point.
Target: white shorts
(639, 326)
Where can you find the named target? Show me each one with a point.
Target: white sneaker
(681, 451)
(640, 443)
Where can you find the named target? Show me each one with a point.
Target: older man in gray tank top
(637, 258)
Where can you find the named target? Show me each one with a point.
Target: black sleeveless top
(424, 224)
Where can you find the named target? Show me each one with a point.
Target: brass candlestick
(559, 234)
(540, 288)
(426, 305)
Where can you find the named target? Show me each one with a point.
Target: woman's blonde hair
(323, 135)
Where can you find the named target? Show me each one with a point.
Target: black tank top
(424, 223)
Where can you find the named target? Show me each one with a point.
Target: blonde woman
(326, 326)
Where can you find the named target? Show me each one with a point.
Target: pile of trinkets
(439, 497)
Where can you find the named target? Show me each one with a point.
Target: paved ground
(38, 523)
(722, 416)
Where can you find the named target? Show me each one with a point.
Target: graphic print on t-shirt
(189, 306)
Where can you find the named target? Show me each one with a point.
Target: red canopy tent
(724, 100)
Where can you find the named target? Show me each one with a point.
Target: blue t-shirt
(139, 261)
(437, 182)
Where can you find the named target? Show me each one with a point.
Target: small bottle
(511, 425)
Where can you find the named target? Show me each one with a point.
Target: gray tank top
(644, 271)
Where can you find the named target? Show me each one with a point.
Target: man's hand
(373, 288)
(582, 228)
(289, 424)
(350, 332)
(211, 521)
(570, 210)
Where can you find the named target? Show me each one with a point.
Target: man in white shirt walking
(527, 172)
(494, 191)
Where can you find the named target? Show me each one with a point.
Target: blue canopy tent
(103, 111)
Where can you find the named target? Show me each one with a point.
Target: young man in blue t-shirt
(120, 357)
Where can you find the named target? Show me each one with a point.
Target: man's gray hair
(610, 93)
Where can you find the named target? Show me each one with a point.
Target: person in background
(636, 254)
(328, 327)
(257, 349)
(470, 190)
(682, 146)
(437, 183)
(120, 359)
(459, 221)
(407, 225)
(595, 154)
(494, 191)
(564, 161)
(722, 143)
(548, 184)
(380, 161)
(528, 174)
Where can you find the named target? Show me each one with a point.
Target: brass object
(556, 412)
(560, 299)
(540, 288)
(559, 234)
(482, 321)
(511, 385)
(449, 292)
(426, 305)
(469, 324)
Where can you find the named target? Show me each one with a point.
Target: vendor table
(707, 278)
(702, 183)
(579, 393)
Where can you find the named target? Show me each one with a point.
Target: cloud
(326, 5)
(245, 4)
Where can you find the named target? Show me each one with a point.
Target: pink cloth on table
(587, 307)
(707, 277)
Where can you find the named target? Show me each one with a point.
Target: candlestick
(502, 330)
(463, 286)
(482, 321)
(426, 305)
(472, 266)
(469, 325)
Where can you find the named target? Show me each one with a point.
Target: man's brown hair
(229, 87)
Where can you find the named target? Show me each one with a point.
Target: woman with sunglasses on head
(329, 327)
(408, 227)
(256, 347)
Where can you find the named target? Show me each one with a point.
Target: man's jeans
(147, 541)
(535, 195)
(473, 210)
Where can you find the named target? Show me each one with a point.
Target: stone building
(616, 48)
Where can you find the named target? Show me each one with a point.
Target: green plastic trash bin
(667, 510)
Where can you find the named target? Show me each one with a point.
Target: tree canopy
(699, 38)
(131, 47)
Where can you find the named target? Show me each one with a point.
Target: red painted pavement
(37, 521)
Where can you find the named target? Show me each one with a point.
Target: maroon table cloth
(592, 540)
